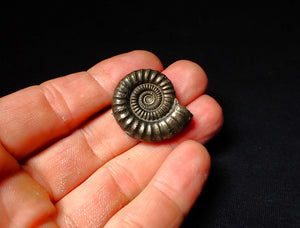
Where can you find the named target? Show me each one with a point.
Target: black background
(251, 57)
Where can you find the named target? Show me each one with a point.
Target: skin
(65, 162)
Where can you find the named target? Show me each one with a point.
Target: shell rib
(145, 106)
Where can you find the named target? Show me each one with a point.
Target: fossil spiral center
(149, 100)
(146, 101)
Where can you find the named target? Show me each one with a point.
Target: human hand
(64, 161)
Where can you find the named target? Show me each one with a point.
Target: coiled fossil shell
(145, 106)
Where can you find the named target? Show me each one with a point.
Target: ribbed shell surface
(145, 106)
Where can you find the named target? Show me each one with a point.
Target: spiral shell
(145, 106)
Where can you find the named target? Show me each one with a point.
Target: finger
(23, 203)
(35, 116)
(172, 191)
(188, 78)
(207, 121)
(63, 166)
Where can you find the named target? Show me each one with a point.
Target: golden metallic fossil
(145, 106)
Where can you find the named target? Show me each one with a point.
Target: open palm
(65, 162)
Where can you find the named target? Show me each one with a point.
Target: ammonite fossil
(145, 106)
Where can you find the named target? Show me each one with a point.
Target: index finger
(36, 116)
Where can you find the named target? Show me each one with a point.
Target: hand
(64, 161)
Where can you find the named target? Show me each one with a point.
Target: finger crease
(103, 145)
(98, 82)
(83, 134)
(130, 221)
(125, 175)
(163, 188)
(47, 92)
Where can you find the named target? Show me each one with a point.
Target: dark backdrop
(251, 57)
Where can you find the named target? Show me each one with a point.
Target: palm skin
(65, 162)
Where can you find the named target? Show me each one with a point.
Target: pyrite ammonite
(145, 106)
